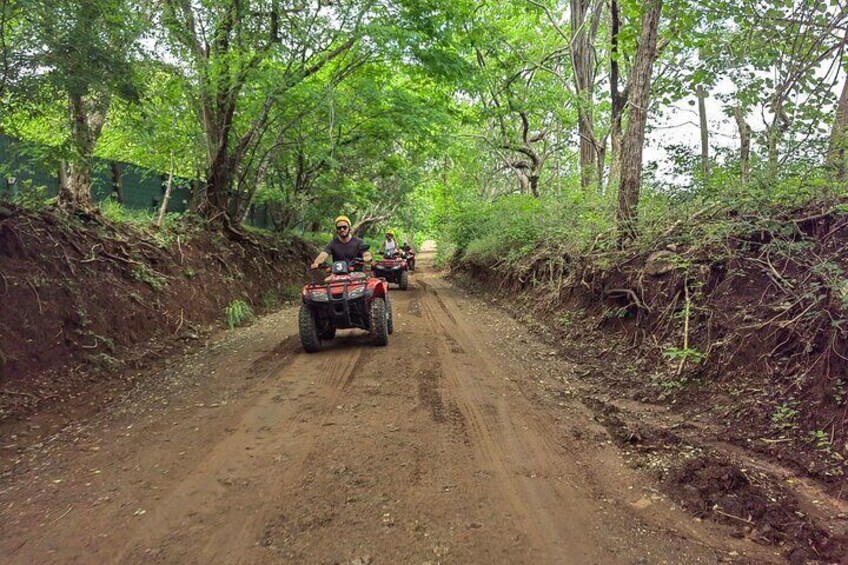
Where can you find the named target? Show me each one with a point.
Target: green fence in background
(135, 187)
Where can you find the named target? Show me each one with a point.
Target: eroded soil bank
(84, 297)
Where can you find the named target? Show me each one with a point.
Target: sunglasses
(342, 227)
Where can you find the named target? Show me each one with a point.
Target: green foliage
(238, 313)
(115, 212)
(145, 274)
(104, 362)
(784, 416)
(513, 227)
(671, 386)
(270, 300)
(836, 461)
(29, 196)
(687, 354)
(172, 225)
(64, 63)
(619, 312)
(318, 239)
(433, 111)
(291, 292)
(567, 319)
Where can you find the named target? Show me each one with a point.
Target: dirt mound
(87, 296)
(760, 509)
(711, 486)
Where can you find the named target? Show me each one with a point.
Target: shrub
(238, 313)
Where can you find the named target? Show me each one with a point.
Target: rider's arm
(366, 256)
(322, 257)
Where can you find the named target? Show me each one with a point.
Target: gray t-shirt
(341, 251)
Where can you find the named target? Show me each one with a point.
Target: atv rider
(408, 254)
(390, 245)
(343, 247)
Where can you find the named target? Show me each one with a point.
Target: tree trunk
(639, 87)
(617, 98)
(835, 161)
(773, 138)
(774, 133)
(534, 185)
(75, 193)
(198, 194)
(369, 219)
(744, 143)
(167, 196)
(583, 62)
(601, 162)
(705, 134)
(63, 174)
(523, 182)
(275, 22)
(117, 182)
(219, 186)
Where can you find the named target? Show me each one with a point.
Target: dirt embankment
(742, 344)
(83, 297)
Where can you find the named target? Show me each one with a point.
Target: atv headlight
(356, 292)
(319, 296)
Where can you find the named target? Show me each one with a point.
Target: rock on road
(448, 446)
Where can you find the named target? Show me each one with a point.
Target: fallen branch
(68, 511)
(745, 520)
(687, 221)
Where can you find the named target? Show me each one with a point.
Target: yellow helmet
(391, 233)
(342, 219)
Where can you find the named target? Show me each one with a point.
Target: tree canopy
(412, 113)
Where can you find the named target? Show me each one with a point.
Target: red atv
(347, 298)
(409, 255)
(394, 268)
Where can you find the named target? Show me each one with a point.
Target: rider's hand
(315, 266)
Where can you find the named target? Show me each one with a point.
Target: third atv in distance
(394, 268)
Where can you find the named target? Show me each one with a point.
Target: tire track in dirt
(429, 383)
(268, 450)
(526, 468)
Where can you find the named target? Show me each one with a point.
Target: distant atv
(394, 268)
(347, 298)
(409, 255)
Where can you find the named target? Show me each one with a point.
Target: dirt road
(460, 442)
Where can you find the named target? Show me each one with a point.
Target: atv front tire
(308, 330)
(404, 280)
(379, 322)
(390, 318)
